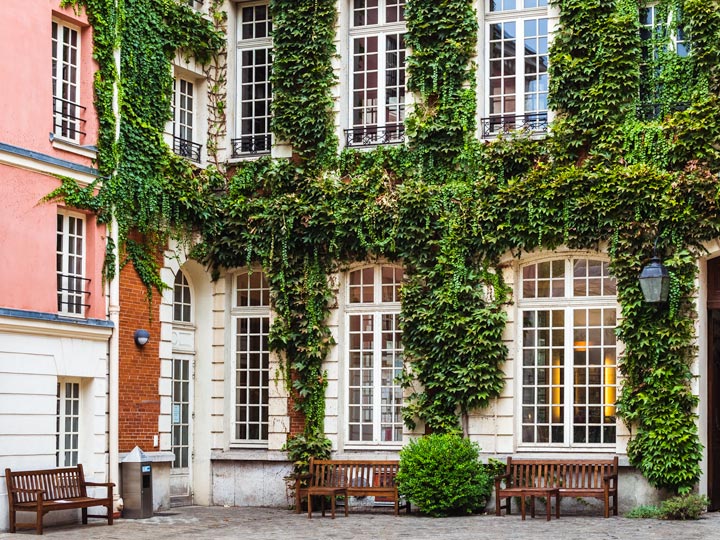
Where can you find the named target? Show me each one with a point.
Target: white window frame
(182, 299)
(67, 110)
(376, 126)
(373, 312)
(184, 108)
(182, 411)
(260, 312)
(68, 422)
(253, 141)
(567, 303)
(72, 284)
(534, 118)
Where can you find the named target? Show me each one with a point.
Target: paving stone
(224, 523)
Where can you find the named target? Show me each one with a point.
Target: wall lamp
(141, 337)
(655, 279)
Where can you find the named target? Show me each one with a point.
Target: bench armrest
(23, 490)
(100, 484)
(608, 477)
(500, 478)
(300, 477)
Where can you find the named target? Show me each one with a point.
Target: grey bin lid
(136, 456)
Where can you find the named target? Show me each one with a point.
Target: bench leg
(522, 507)
(84, 516)
(13, 519)
(309, 505)
(333, 500)
(557, 506)
(548, 507)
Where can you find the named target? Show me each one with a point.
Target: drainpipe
(114, 313)
(114, 375)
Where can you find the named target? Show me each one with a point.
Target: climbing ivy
(448, 207)
(149, 190)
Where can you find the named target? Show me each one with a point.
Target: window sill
(248, 454)
(565, 453)
(72, 147)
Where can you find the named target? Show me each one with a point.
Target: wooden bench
(596, 478)
(358, 478)
(44, 491)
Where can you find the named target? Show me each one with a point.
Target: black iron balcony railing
(72, 292)
(67, 118)
(187, 149)
(648, 111)
(250, 145)
(374, 135)
(494, 125)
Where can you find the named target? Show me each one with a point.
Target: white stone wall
(33, 355)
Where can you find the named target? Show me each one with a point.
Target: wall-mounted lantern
(141, 337)
(655, 280)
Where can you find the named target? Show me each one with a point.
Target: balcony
(250, 145)
(187, 149)
(375, 135)
(72, 294)
(532, 122)
(67, 119)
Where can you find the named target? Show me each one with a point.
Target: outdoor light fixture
(141, 337)
(655, 280)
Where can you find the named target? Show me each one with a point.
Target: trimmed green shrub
(442, 475)
(647, 511)
(689, 506)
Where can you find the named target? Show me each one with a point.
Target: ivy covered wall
(445, 204)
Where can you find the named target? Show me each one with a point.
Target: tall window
(67, 111)
(517, 66)
(375, 355)
(180, 441)
(251, 324)
(67, 425)
(184, 120)
(70, 265)
(569, 354)
(182, 301)
(661, 35)
(254, 57)
(377, 45)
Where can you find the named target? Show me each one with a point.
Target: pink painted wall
(27, 228)
(26, 106)
(27, 246)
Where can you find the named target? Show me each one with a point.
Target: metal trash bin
(136, 477)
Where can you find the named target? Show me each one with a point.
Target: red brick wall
(139, 366)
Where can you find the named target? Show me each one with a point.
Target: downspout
(114, 375)
(114, 313)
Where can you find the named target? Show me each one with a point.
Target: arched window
(375, 355)
(568, 356)
(251, 324)
(182, 302)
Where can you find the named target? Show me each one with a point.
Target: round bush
(443, 475)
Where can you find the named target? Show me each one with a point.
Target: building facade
(562, 376)
(54, 324)
(205, 397)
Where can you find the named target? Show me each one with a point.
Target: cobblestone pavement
(217, 523)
